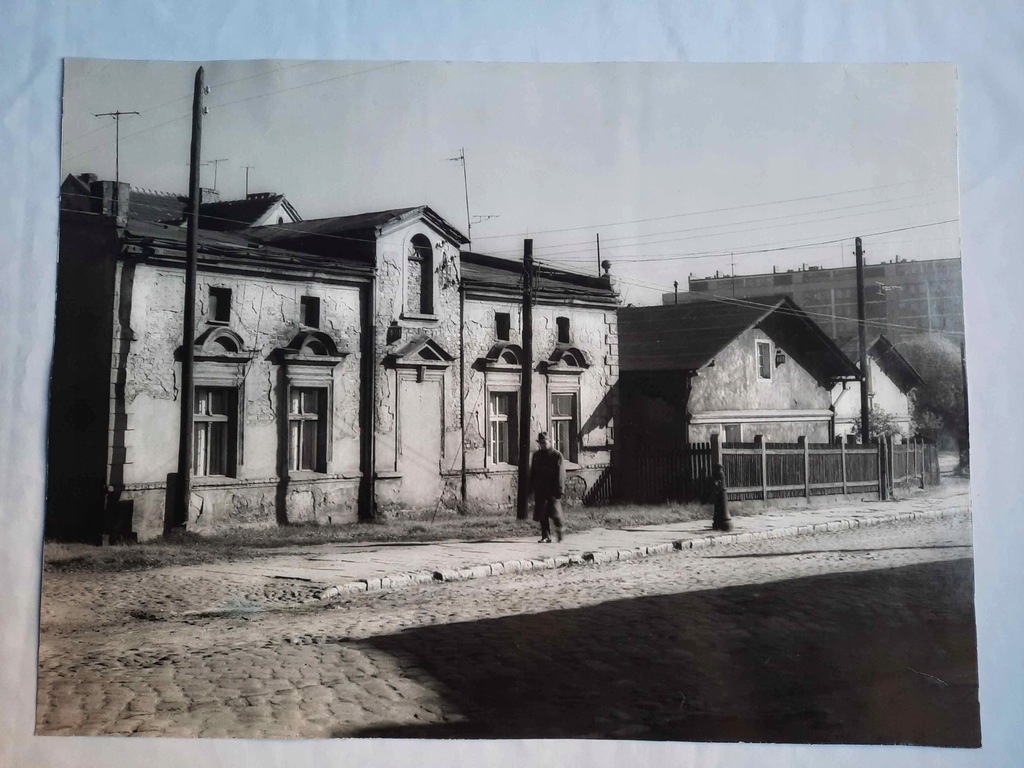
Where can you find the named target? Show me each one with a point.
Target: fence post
(921, 446)
(759, 443)
(890, 480)
(842, 454)
(802, 442)
(883, 469)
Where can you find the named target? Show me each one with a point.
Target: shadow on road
(877, 657)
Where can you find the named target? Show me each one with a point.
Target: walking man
(547, 479)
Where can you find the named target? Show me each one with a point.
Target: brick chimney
(111, 199)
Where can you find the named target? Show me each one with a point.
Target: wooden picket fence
(913, 464)
(757, 470)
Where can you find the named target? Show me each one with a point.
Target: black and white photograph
(407, 399)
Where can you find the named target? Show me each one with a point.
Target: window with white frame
(214, 433)
(764, 360)
(503, 428)
(564, 424)
(307, 429)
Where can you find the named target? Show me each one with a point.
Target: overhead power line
(729, 232)
(590, 251)
(721, 210)
(742, 252)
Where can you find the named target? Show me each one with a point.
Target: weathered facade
(891, 380)
(345, 368)
(740, 370)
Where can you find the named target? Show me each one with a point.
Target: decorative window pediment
(566, 360)
(421, 353)
(219, 344)
(312, 347)
(503, 356)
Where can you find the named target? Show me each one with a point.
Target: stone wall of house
(265, 315)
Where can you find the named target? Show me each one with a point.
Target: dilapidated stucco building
(891, 380)
(345, 367)
(737, 368)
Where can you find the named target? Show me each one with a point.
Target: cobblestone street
(854, 636)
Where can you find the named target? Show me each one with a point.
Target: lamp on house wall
(780, 357)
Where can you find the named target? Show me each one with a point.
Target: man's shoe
(545, 540)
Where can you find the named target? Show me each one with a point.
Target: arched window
(419, 289)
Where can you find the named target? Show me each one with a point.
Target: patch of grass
(248, 543)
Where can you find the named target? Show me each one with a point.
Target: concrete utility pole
(180, 516)
(526, 387)
(862, 333)
(117, 115)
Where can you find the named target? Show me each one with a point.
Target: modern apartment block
(901, 297)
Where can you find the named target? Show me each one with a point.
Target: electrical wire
(719, 210)
(729, 231)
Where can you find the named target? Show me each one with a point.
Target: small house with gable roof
(758, 366)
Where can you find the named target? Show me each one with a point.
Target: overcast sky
(679, 168)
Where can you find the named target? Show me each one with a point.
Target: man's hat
(542, 436)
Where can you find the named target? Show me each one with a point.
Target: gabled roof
(687, 336)
(893, 364)
(239, 214)
(357, 226)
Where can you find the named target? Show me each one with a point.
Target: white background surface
(983, 39)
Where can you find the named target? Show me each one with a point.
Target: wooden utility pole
(180, 516)
(862, 334)
(598, 254)
(526, 387)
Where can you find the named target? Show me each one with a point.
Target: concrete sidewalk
(352, 568)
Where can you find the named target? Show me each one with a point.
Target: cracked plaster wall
(593, 331)
(733, 384)
(265, 313)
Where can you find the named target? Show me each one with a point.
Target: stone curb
(610, 555)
